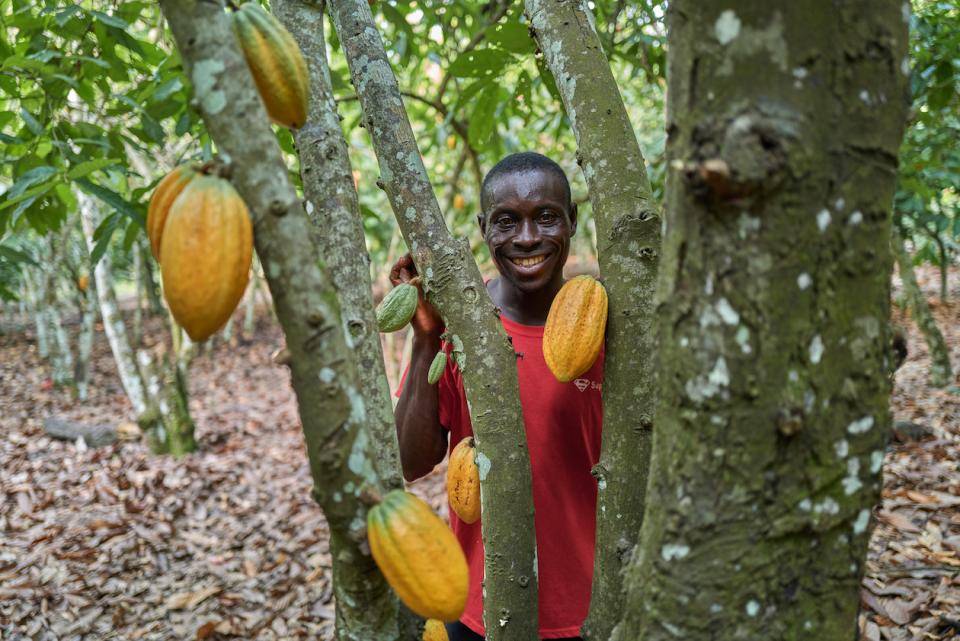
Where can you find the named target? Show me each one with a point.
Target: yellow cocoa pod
(463, 481)
(163, 196)
(451, 142)
(276, 63)
(573, 335)
(459, 202)
(83, 281)
(435, 631)
(418, 556)
(205, 255)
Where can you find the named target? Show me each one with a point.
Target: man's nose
(528, 236)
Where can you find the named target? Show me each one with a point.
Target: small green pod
(436, 367)
(397, 308)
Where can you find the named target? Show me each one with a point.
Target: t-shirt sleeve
(447, 388)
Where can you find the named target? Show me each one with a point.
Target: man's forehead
(527, 184)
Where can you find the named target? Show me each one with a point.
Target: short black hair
(518, 163)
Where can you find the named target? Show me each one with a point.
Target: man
(527, 221)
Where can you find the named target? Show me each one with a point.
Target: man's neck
(525, 308)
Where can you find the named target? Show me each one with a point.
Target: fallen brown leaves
(114, 543)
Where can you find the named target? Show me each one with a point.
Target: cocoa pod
(436, 367)
(576, 324)
(205, 255)
(397, 308)
(163, 196)
(276, 64)
(418, 556)
(434, 630)
(463, 481)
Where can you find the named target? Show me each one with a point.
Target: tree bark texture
(941, 372)
(773, 302)
(324, 377)
(452, 282)
(333, 206)
(628, 234)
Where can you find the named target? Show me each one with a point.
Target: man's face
(527, 226)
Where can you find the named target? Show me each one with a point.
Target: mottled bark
(333, 206)
(773, 302)
(628, 245)
(113, 325)
(941, 372)
(322, 366)
(88, 321)
(452, 282)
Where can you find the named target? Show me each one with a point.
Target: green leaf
(89, 166)
(512, 36)
(29, 179)
(115, 200)
(102, 235)
(32, 123)
(16, 256)
(483, 122)
(109, 20)
(480, 63)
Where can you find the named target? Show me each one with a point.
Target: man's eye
(504, 221)
(548, 217)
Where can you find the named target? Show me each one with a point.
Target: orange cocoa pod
(276, 64)
(463, 481)
(419, 556)
(163, 196)
(434, 630)
(205, 255)
(83, 281)
(576, 324)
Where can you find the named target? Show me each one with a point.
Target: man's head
(527, 219)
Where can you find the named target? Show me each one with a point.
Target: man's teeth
(528, 262)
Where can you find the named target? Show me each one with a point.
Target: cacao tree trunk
(941, 373)
(333, 206)
(137, 294)
(250, 305)
(628, 245)
(34, 295)
(323, 370)
(167, 421)
(88, 321)
(784, 125)
(452, 282)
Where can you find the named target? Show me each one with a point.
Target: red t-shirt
(563, 422)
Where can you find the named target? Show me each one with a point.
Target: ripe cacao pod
(573, 335)
(163, 196)
(276, 64)
(83, 281)
(205, 255)
(436, 367)
(459, 202)
(463, 481)
(451, 142)
(418, 556)
(434, 630)
(397, 308)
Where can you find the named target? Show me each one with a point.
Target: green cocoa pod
(397, 308)
(436, 367)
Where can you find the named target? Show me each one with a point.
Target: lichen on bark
(628, 246)
(773, 306)
(323, 371)
(452, 282)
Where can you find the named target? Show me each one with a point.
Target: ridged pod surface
(434, 630)
(573, 335)
(205, 255)
(276, 63)
(418, 556)
(436, 367)
(163, 196)
(463, 481)
(397, 308)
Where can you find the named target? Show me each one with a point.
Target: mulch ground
(115, 543)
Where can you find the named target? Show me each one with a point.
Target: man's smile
(528, 261)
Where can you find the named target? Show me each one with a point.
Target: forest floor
(114, 543)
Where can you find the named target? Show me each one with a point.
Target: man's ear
(482, 221)
(573, 218)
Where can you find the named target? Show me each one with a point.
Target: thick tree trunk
(940, 371)
(452, 282)
(784, 124)
(333, 206)
(167, 421)
(324, 375)
(628, 235)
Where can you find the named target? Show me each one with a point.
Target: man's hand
(426, 320)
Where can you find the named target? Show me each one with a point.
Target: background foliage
(93, 98)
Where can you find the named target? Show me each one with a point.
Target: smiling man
(527, 221)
